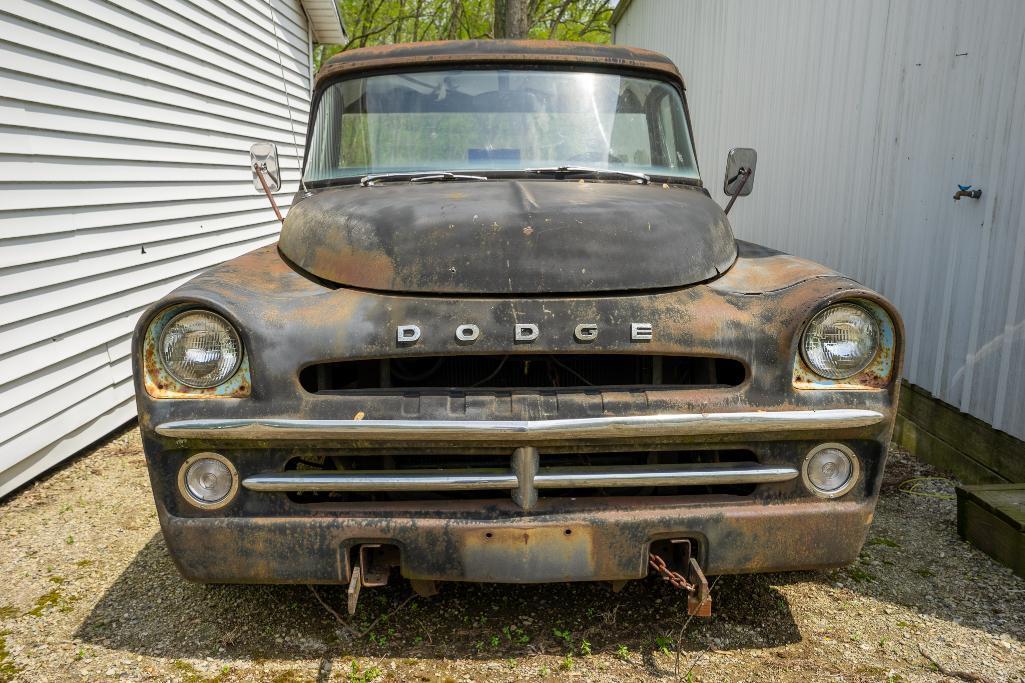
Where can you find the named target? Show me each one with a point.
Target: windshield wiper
(417, 177)
(586, 170)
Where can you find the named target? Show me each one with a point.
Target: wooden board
(953, 438)
(992, 518)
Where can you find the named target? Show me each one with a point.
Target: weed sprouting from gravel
(357, 674)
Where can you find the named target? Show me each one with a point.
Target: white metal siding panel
(866, 116)
(124, 135)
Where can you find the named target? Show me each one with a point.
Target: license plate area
(529, 554)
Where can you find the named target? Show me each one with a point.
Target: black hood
(509, 236)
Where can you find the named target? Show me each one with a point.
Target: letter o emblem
(467, 333)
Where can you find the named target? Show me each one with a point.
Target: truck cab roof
(444, 53)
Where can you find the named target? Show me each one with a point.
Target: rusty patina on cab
(518, 358)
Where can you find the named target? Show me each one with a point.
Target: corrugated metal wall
(866, 116)
(125, 127)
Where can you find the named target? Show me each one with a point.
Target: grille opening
(353, 464)
(534, 371)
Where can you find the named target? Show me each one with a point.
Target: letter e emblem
(640, 332)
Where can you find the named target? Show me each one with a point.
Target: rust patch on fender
(759, 270)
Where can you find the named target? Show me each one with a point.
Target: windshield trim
(516, 174)
(325, 84)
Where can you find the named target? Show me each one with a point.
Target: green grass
(565, 635)
(663, 644)
(860, 575)
(7, 668)
(190, 674)
(357, 674)
(44, 601)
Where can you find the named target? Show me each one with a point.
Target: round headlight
(840, 341)
(830, 470)
(208, 480)
(200, 349)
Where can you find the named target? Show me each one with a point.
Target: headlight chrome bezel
(228, 327)
(159, 383)
(847, 373)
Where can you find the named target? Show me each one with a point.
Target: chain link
(678, 580)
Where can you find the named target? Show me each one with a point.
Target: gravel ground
(90, 594)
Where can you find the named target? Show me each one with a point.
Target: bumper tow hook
(699, 600)
(373, 569)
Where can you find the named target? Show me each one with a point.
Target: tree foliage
(383, 22)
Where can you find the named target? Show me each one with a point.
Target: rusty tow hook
(678, 580)
(699, 601)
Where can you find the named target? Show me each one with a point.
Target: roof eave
(326, 25)
(620, 10)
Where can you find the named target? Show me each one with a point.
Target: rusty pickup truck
(507, 336)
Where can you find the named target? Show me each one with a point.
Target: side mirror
(740, 172)
(264, 156)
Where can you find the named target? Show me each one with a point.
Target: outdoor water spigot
(966, 191)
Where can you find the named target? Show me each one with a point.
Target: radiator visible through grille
(532, 372)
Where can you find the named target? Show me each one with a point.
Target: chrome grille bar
(383, 480)
(709, 474)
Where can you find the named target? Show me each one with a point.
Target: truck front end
(507, 336)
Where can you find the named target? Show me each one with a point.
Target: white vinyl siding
(866, 116)
(125, 127)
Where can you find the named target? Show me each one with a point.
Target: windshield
(499, 120)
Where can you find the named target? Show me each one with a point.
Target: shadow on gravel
(151, 610)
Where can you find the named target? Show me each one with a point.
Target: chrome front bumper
(524, 431)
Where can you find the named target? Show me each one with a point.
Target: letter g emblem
(585, 332)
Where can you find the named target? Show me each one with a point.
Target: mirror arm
(746, 172)
(266, 190)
